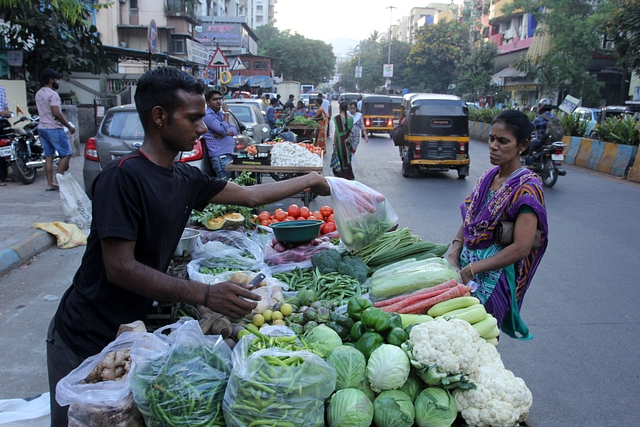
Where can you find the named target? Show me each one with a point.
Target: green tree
(299, 58)
(621, 22)
(265, 34)
(572, 27)
(475, 71)
(53, 33)
(431, 64)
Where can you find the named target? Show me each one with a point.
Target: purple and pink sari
(482, 211)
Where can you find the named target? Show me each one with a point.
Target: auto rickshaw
(436, 134)
(377, 112)
(397, 102)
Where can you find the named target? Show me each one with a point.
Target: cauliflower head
(500, 399)
(444, 352)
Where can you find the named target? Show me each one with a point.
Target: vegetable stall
(361, 323)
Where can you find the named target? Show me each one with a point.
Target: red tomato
(305, 212)
(318, 215)
(330, 218)
(265, 222)
(300, 218)
(264, 216)
(290, 218)
(326, 211)
(293, 211)
(280, 215)
(329, 227)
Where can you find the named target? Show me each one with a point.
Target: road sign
(152, 36)
(238, 65)
(218, 60)
(358, 72)
(387, 70)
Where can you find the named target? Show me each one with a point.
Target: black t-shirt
(136, 200)
(289, 105)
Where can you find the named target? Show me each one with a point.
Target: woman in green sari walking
(342, 144)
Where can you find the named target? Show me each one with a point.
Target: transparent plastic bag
(76, 205)
(180, 379)
(299, 256)
(361, 213)
(105, 403)
(229, 248)
(259, 390)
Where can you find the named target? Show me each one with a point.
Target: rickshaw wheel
(463, 172)
(409, 171)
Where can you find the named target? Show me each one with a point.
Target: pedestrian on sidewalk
(51, 126)
(141, 204)
(219, 138)
(322, 119)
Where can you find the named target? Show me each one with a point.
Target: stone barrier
(614, 159)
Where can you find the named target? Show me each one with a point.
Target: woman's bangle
(457, 240)
(471, 270)
(206, 295)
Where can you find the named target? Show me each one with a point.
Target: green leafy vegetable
(388, 368)
(393, 408)
(435, 408)
(350, 367)
(323, 340)
(349, 407)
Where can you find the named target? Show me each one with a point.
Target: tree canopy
(53, 33)
(621, 22)
(431, 64)
(295, 56)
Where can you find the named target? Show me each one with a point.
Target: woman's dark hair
(158, 88)
(344, 106)
(517, 123)
(300, 104)
(355, 104)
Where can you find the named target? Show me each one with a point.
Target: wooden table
(274, 171)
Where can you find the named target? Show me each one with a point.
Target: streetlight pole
(389, 37)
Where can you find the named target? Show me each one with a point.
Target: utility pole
(389, 37)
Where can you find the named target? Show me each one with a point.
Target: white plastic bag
(76, 205)
(23, 413)
(229, 248)
(107, 401)
(362, 214)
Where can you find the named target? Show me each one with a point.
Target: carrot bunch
(421, 301)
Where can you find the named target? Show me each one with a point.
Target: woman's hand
(454, 259)
(466, 274)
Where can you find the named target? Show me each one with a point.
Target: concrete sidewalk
(22, 205)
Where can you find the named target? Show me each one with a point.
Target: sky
(341, 23)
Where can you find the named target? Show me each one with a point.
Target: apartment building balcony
(181, 8)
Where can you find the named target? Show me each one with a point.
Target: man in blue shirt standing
(219, 138)
(270, 115)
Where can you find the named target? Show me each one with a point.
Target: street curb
(22, 251)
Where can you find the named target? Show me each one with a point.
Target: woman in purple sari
(506, 192)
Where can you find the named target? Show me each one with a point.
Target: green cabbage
(323, 340)
(435, 408)
(413, 386)
(393, 408)
(350, 365)
(349, 408)
(388, 368)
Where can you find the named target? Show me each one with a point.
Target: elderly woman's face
(503, 146)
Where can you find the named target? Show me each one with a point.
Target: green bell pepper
(340, 330)
(343, 320)
(356, 306)
(376, 319)
(395, 320)
(368, 342)
(357, 330)
(397, 336)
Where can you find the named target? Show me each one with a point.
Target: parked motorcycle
(547, 162)
(21, 148)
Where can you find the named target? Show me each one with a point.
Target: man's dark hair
(209, 94)
(158, 88)
(273, 101)
(291, 96)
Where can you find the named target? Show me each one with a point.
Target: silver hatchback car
(252, 117)
(121, 131)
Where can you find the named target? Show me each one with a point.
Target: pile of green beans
(278, 388)
(297, 279)
(334, 287)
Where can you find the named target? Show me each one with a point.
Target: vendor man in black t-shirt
(141, 205)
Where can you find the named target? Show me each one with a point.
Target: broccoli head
(326, 261)
(359, 269)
